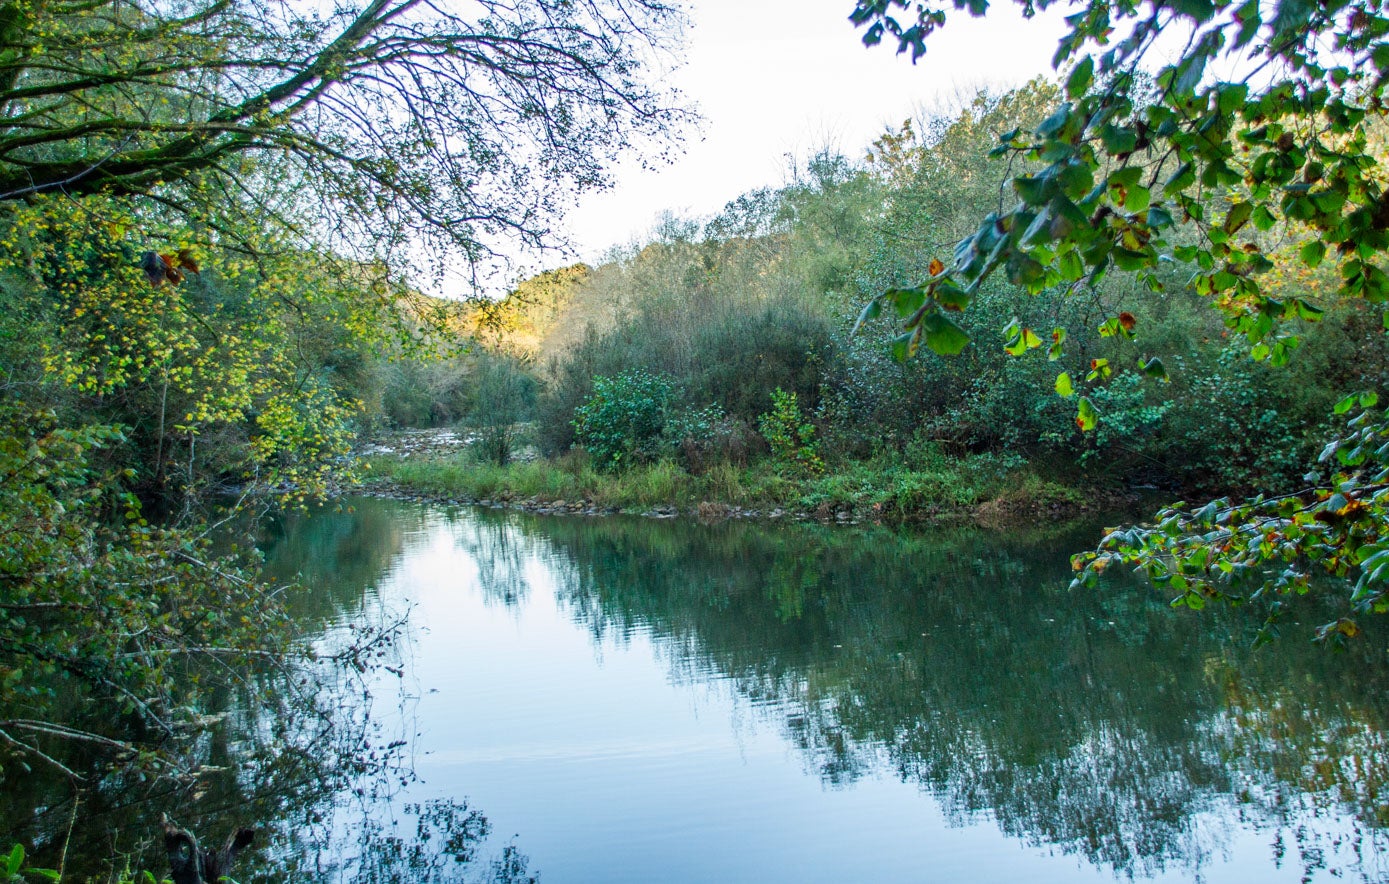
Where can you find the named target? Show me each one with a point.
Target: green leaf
(1306, 311)
(1072, 266)
(1034, 191)
(1239, 214)
(1064, 387)
(1023, 340)
(1081, 77)
(1118, 140)
(1153, 368)
(905, 302)
(1058, 341)
(1086, 417)
(1126, 177)
(1181, 179)
(1230, 97)
(872, 310)
(951, 296)
(904, 346)
(942, 335)
(1345, 404)
(1313, 252)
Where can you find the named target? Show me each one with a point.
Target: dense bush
(763, 297)
(622, 422)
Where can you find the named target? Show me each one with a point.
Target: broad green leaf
(1058, 341)
(951, 296)
(1118, 140)
(905, 302)
(1025, 339)
(1313, 252)
(942, 335)
(1081, 76)
(872, 310)
(1064, 388)
(904, 346)
(1239, 214)
(1086, 417)
(1181, 179)
(1034, 191)
(1306, 311)
(1136, 199)
(1126, 177)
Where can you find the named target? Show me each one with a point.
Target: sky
(779, 78)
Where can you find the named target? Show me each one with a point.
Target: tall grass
(883, 488)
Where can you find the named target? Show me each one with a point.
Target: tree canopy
(1259, 129)
(379, 124)
(210, 210)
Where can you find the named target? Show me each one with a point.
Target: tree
(379, 124)
(205, 210)
(1264, 121)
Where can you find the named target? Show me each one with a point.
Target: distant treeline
(719, 314)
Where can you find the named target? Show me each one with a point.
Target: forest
(240, 242)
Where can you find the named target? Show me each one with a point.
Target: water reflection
(1102, 727)
(309, 757)
(1101, 724)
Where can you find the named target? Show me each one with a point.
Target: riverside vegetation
(210, 263)
(718, 363)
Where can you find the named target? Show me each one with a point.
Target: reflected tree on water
(302, 754)
(940, 658)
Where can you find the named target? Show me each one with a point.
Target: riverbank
(985, 489)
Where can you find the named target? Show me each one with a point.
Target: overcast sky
(779, 77)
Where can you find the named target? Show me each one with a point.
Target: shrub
(504, 396)
(621, 422)
(702, 437)
(791, 437)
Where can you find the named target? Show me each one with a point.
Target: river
(576, 699)
(642, 700)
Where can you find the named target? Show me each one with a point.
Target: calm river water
(628, 700)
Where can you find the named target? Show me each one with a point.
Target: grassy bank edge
(981, 487)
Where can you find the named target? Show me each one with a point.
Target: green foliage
(14, 871)
(622, 422)
(103, 612)
(1216, 171)
(1119, 161)
(1271, 547)
(703, 437)
(791, 437)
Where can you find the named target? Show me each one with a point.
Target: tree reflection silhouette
(302, 755)
(1102, 724)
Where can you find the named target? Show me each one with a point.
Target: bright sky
(779, 77)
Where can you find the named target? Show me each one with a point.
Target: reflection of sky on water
(624, 754)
